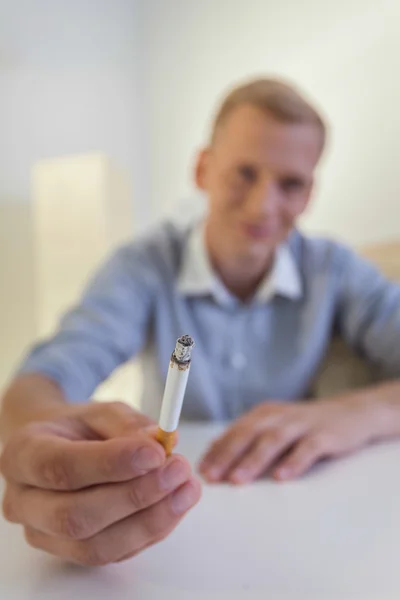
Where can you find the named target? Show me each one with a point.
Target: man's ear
(201, 169)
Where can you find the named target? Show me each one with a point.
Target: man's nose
(263, 200)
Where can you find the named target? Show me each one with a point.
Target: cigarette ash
(183, 349)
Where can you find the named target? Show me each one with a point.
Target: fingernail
(283, 473)
(184, 499)
(147, 459)
(173, 475)
(240, 476)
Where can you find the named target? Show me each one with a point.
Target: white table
(334, 535)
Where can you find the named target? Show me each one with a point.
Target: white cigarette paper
(175, 387)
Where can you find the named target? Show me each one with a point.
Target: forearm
(31, 397)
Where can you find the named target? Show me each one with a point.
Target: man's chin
(257, 251)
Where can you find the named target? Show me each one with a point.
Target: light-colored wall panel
(82, 210)
(16, 285)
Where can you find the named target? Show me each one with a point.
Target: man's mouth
(259, 231)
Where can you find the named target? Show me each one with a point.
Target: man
(88, 482)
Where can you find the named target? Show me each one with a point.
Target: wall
(68, 85)
(346, 55)
(16, 284)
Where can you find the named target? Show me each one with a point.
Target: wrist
(381, 406)
(30, 398)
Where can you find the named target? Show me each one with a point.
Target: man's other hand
(285, 440)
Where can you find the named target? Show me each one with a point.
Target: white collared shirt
(197, 276)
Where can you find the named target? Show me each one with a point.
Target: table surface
(333, 535)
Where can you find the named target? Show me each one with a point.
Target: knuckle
(229, 458)
(92, 554)
(3, 463)
(108, 465)
(277, 437)
(242, 432)
(318, 442)
(32, 537)
(71, 523)
(6, 457)
(137, 496)
(8, 508)
(221, 451)
(231, 443)
(154, 524)
(118, 406)
(55, 474)
(116, 410)
(11, 450)
(111, 463)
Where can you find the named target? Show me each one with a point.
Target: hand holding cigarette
(92, 487)
(175, 387)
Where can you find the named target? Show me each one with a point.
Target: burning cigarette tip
(183, 348)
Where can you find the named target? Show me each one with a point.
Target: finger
(305, 454)
(50, 462)
(83, 514)
(265, 450)
(114, 419)
(225, 451)
(125, 538)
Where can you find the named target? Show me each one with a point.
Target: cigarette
(175, 387)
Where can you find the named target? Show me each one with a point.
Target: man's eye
(247, 174)
(291, 184)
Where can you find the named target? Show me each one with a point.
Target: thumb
(107, 420)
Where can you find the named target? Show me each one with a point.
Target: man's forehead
(252, 136)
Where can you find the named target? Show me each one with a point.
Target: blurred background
(103, 104)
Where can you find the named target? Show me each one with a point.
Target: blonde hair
(274, 97)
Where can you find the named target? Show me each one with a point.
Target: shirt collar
(197, 277)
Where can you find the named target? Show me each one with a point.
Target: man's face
(258, 176)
